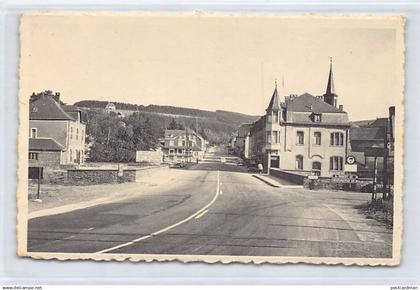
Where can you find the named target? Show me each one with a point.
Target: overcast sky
(212, 62)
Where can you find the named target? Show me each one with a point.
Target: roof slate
(274, 102)
(309, 103)
(366, 133)
(44, 144)
(46, 108)
(176, 133)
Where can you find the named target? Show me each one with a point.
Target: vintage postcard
(252, 138)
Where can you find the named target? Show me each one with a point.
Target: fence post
(39, 183)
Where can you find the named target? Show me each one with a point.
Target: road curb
(274, 183)
(265, 180)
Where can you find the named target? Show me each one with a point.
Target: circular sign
(350, 160)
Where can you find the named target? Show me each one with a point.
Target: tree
(173, 125)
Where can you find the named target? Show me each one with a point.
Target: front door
(316, 168)
(275, 161)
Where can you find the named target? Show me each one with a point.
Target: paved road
(216, 208)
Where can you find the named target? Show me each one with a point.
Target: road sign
(312, 177)
(350, 159)
(350, 167)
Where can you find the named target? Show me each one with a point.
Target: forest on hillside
(115, 139)
(235, 119)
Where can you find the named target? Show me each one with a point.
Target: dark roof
(46, 108)
(177, 132)
(365, 133)
(379, 122)
(359, 156)
(309, 103)
(173, 132)
(259, 124)
(44, 144)
(244, 129)
(330, 85)
(274, 102)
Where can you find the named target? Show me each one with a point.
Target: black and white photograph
(211, 137)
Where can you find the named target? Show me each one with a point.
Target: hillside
(230, 119)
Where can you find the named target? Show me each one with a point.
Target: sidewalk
(275, 182)
(58, 199)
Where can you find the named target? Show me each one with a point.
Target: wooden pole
(39, 183)
(385, 167)
(375, 176)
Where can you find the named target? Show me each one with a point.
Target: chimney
(341, 108)
(56, 97)
(391, 120)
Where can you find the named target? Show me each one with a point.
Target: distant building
(305, 134)
(46, 154)
(150, 156)
(110, 107)
(242, 143)
(182, 146)
(57, 129)
(374, 140)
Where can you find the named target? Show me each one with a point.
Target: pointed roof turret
(274, 102)
(330, 85)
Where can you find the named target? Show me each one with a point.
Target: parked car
(179, 165)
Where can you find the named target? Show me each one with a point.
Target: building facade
(182, 146)
(372, 145)
(304, 134)
(242, 142)
(63, 125)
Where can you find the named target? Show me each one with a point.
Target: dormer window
(269, 118)
(34, 132)
(316, 118)
(275, 116)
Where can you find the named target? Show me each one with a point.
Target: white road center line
(200, 212)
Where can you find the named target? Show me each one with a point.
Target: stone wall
(98, 176)
(329, 184)
(46, 159)
(151, 157)
(289, 176)
(129, 175)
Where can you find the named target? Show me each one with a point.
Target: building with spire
(305, 134)
(330, 97)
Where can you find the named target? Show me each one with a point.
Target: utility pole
(375, 176)
(39, 183)
(187, 143)
(385, 165)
